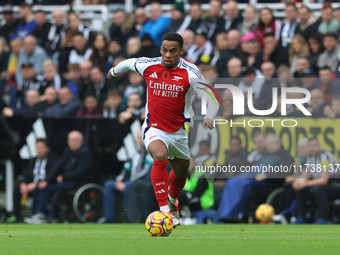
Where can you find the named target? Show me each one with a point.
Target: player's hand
(208, 123)
(109, 74)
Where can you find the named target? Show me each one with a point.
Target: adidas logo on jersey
(153, 75)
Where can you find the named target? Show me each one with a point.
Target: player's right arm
(122, 67)
(132, 64)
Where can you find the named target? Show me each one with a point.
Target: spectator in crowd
(330, 56)
(253, 53)
(188, 40)
(7, 29)
(177, 18)
(272, 51)
(136, 85)
(27, 23)
(204, 157)
(68, 105)
(214, 24)
(112, 105)
(115, 52)
(100, 51)
(335, 108)
(31, 105)
(4, 57)
(285, 76)
(318, 104)
(329, 85)
(250, 20)
(316, 48)
(148, 48)
(31, 81)
(80, 52)
(309, 22)
(236, 157)
(52, 78)
(85, 79)
(198, 192)
(310, 79)
(73, 78)
(34, 173)
(137, 168)
(298, 48)
(30, 53)
(42, 29)
(140, 18)
(90, 108)
(122, 27)
(233, 18)
(252, 78)
(49, 99)
(67, 173)
(289, 25)
(202, 51)
(194, 18)
(100, 85)
(328, 24)
(221, 41)
(234, 69)
(75, 26)
(267, 24)
(133, 47)
(233, 50)
(56, 34)
(135, 110)
(302, 63)
(316, 185)
(268, 70)
(158, 24)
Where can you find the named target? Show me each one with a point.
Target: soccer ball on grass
(264, 213)
(159, 223)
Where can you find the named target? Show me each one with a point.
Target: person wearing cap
(11, 24)
(202, 51)
(177, 18)
(252, 49)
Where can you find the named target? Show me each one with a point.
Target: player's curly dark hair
(171, 36)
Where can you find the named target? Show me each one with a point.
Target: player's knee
(160, 155)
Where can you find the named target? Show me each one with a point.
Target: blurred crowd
(57, 68)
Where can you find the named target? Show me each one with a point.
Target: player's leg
(159, 174)
(177, 177)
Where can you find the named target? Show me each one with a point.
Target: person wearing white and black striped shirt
(316, 183)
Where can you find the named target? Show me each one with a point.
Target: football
(264, 213)
(159, 223)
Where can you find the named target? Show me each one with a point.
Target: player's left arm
(199, 84)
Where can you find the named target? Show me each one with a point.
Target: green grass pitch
(238, 239)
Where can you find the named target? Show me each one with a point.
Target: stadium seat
(85, 204)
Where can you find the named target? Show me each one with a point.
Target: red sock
(159, 179)
(176, 184)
